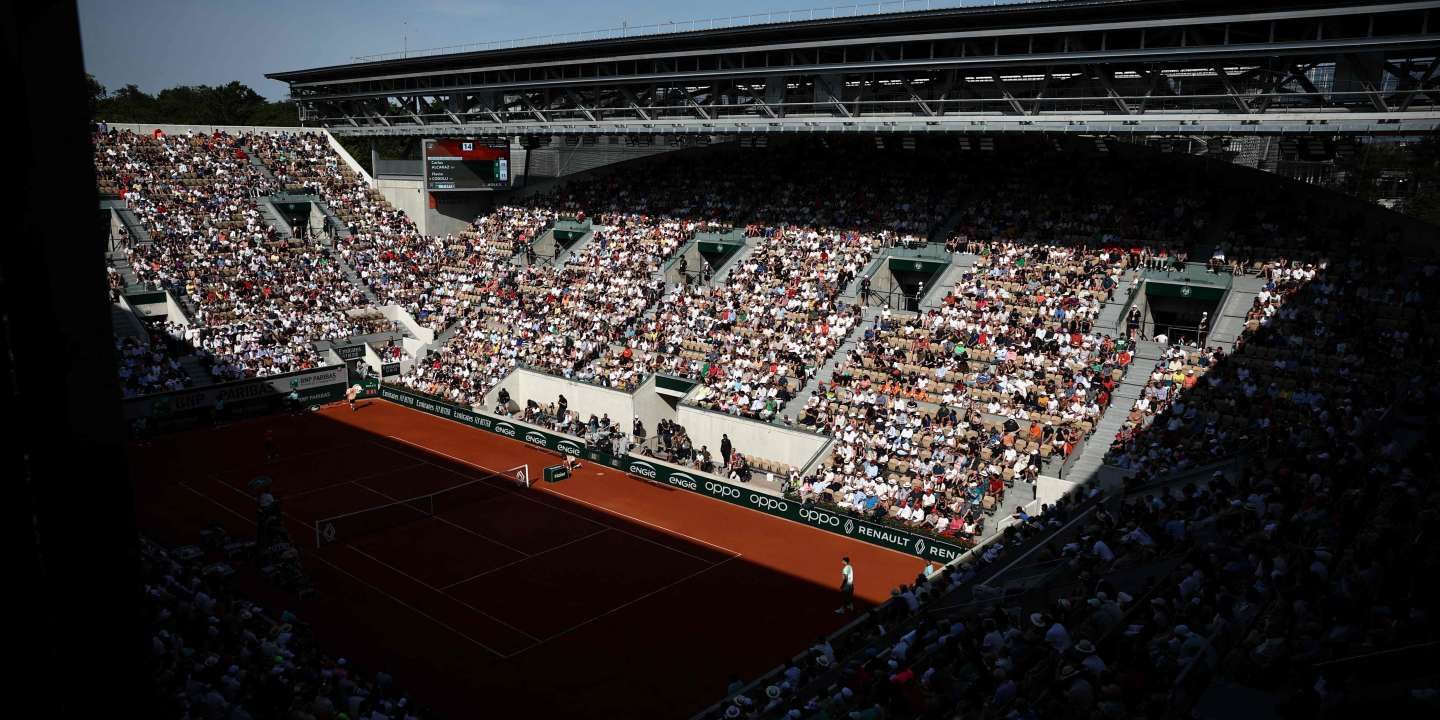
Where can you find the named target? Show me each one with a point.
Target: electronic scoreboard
(478, 164)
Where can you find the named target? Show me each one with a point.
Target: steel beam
(1154, 124)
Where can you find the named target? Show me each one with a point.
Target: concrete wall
(691, 252)
(173, 312)
(170, 310)
(348, 160)
(454, 211)
(751, 437)
(116, 225)
(406, 194)
(316, 220)
(1049, 489)
(374, 360)
(651, 406)
(207, 129)
(558, 159)
(413, 346)
(583, 398)
(395, 313)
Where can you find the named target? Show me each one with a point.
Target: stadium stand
(1271, 575)
(434, 278)
(216, 654)
(257, 300)
(1289, 555)
(149, 367)
(755, 340)
(936, 415)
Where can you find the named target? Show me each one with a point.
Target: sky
(157, 44)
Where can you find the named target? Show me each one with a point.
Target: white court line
(442, 593)
(352, 576)
(618, 608)
(457, 526)
(342, 483)
(601, 508)
(458, 583)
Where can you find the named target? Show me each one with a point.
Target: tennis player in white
(847, 587)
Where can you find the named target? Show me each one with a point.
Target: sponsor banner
(563, 444)
(926, 547)
(184, 409)
(1160, 288)
(568, 231)
(673, 383)
(152, 297)
(912, 265)
(390, 369)
(350, 352)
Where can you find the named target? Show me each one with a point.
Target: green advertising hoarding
(925, 547)
(922, 546)
(563, 444)
(185, 409)
(1184, 290)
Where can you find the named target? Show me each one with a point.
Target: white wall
(651, 406)
(207, 129)
(395, 313)
(750, 437)
(1050, 489)
(407, 194)
(173, 312)
(349, 161)
(583, 398)
(170, 309)
(373, 359)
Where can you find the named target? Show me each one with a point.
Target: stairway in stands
(196, 370)
(1111, 320)
(960, 263)
(827, 371)
(273, 218)
(441, 338)
(262, 168)
(126, 325)
(1231, 321)
(128, 218)
(723, 276)
(1092, 456)
(120, 260)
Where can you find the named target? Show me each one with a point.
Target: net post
(521, 474)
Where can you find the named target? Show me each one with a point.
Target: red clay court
(601, 596)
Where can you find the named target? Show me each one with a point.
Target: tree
(234, 103)
(128, 104)
(96, 93)
(283, 113)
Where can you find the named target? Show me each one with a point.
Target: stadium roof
(1018, 14)
(1149, 66)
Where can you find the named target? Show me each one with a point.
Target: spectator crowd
(1277, 523)
(216, 655)
(1295, 550)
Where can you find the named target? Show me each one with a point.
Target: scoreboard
(478, 164)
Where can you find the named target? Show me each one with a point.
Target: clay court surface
(603, 596)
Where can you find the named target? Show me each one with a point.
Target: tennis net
(342, 528)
